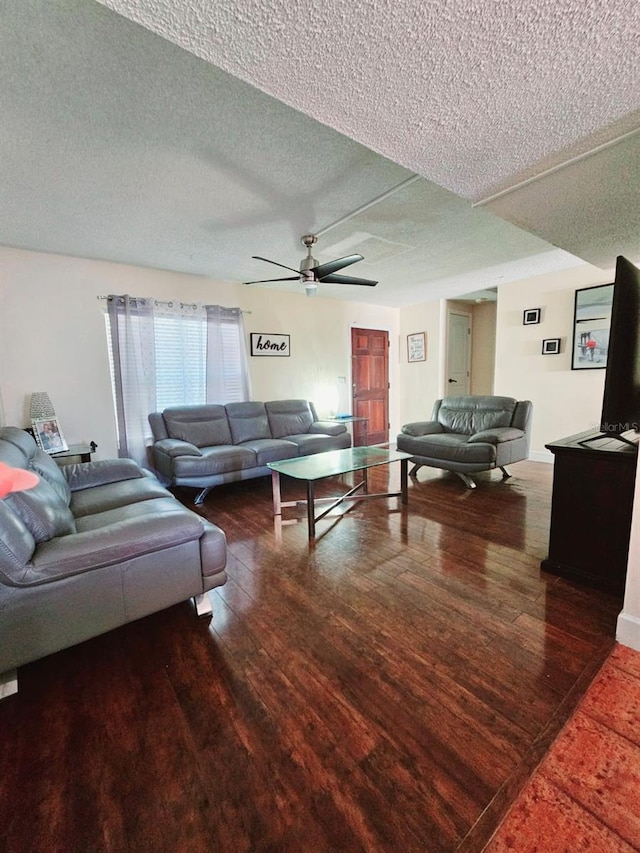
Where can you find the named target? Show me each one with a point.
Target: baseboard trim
(628, 631)
(8, 683)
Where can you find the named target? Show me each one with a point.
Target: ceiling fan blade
(258, 258)
(347, 279)
(266, 280)
(333, 266)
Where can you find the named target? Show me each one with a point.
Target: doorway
(458, 372)
(370, 385)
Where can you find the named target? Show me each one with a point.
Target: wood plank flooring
(389, 687)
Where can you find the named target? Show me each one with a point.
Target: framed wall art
(591, 322)
(270, 345)
(531, 316)
(551, 346)
(417, 346)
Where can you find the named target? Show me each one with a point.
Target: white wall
(52, 338)
(320, 360)
(421, 382)
(483, 348)
(565, 401)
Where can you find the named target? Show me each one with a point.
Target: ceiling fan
(312, 273)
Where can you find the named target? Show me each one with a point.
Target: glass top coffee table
(333, 463)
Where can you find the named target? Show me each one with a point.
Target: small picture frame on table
(551, 346)
(417, 346)
(531, 316)
(48, 434)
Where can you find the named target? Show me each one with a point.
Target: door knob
(454, 381)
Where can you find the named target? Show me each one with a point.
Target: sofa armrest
(418, 428)
(327, 428)
(176, 447)
(86, 475)
(77, 553)
(497, 435)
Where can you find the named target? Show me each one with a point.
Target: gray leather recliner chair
(470, 434)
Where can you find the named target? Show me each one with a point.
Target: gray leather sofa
(470, 434)
(206, 446)
(91, 547)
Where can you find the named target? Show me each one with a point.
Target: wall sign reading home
(266, 344)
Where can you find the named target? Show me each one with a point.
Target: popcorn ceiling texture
(465, 93)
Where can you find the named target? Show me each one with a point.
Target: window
(181, 358)
(166, 354)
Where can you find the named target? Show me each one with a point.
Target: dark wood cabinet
(591, 511)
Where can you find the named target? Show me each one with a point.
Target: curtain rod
(181, 304)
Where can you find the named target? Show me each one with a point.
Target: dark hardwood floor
(389, 687)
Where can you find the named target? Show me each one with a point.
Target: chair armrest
(419, 428)
(327, 427)
(176, 447)
(65, 556)
(86, 475)
(495, 436)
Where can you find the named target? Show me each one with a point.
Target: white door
(458, 378)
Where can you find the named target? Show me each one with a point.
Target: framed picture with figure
(591, 322)
(49, 436)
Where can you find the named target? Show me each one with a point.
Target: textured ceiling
(232, 129)
(465, 93)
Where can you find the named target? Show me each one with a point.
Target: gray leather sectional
(206, 446)
(469, 434)
(91, 547)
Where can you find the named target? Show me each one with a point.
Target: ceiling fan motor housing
(309, 262)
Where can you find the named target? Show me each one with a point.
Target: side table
(353, 419)
(84, 451)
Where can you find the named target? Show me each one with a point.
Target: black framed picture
(591, 322)
(551, 346)
(266, 344)
(531, 316)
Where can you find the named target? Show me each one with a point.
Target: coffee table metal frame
(333, 463)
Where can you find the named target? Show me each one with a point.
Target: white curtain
(166, 354)
(134, 372)
(227, 362)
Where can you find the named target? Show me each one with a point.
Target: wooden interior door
(370, 385)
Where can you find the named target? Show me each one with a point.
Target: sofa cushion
(448, 447)
(496, 436)
(159, 506)
(102, 498)
(43, 512)
(309, 443)
(16, 547)
(467, 415)
(289, 417)
(328, 427)
(202, 426)
(215, 460)
(271, 449)
(49, 470)
(248, 421)
(19, 450)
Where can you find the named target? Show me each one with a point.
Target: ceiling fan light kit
(312, 273)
